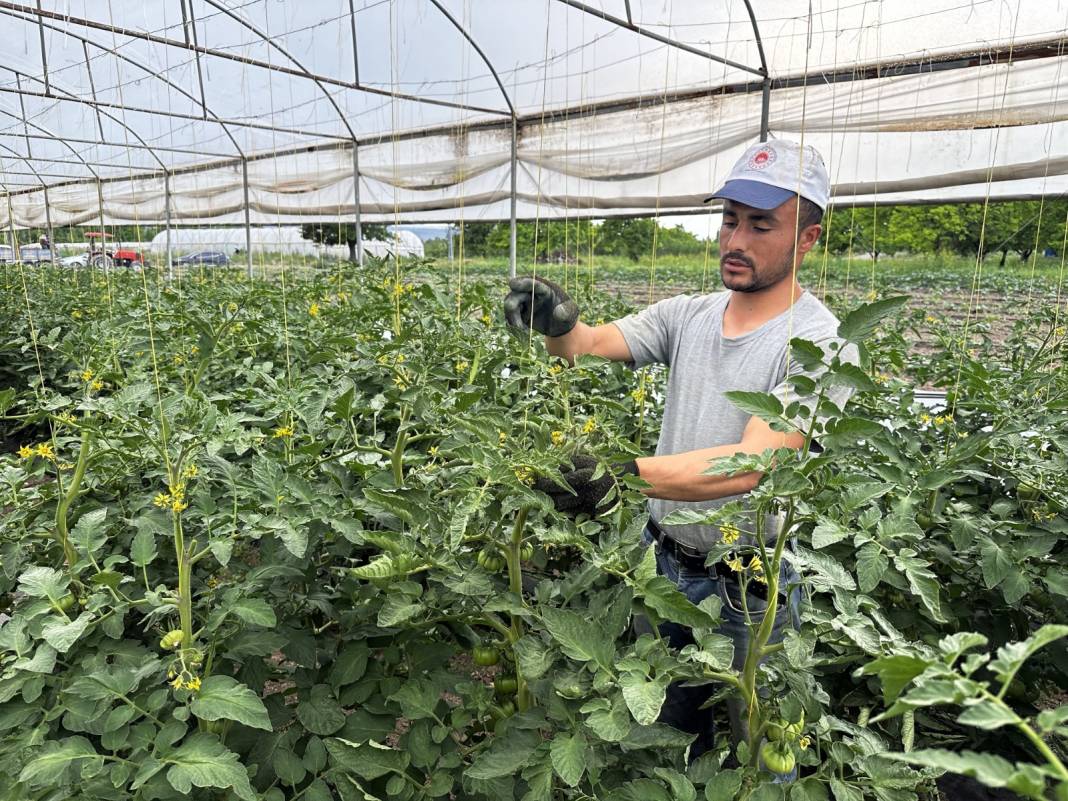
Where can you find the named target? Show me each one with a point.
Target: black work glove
(541, 305)
(588, 493)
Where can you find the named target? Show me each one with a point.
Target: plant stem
(758, 644)
(62, 537)
(185, 595)
(515, 584)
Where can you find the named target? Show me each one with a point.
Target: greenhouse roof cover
(227, 111)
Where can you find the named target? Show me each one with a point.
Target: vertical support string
(248, 224)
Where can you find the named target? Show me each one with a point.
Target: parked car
(215, 257)
(80, 260)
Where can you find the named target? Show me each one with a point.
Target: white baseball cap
(770, 173)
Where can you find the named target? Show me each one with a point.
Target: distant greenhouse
(284, 239)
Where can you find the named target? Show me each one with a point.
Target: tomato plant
(252, 551)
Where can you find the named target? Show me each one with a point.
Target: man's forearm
(680, 476)
(576, 342)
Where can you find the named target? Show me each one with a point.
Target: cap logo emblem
(764, 157)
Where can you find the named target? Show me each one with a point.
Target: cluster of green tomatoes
(777, 753)
(505, 685)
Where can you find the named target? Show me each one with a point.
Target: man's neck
(747, 311)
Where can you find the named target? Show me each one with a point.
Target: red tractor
(100, 256)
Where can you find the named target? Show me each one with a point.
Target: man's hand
(541, 305)
(586, 493)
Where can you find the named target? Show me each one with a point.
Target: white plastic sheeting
(621, 106)
(284, 239)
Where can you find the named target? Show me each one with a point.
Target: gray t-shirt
(686, 334)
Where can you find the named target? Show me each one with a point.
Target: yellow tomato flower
(589, 426)
(925, 418)
(525, 475)
(461, 367)
(44, 450)
(735, 564)
(555, 369)
(501, 437)
(77, 315)
(558, 438)
(193, 684)
(162, 500)
(804, 742)
(486, 319)
(730, 533)
(97, 385)
(756, 565)
(190, 471)
(283, 431)
(26, 452)
(313, 310)
(87, 375)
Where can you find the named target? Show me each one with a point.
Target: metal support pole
(511, 233)
(248, 225)
(44, 51)
(765, 108)
(356, 202)
(449, 231)
(48, 225)
(167, 213)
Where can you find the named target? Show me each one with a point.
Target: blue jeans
(682, 707)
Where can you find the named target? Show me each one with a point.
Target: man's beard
(755, 280)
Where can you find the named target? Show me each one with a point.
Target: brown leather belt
(693, 559)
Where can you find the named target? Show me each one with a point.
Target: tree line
(997, 228)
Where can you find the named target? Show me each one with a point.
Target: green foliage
(1002, 227)
(305, 496)
(336, 233)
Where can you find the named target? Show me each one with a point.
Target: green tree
(336, 233)
(632, 238)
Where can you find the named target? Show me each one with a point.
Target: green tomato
(1027, 492)
(569, 689)
(505, 685)
(777, 757)
(66, 603)
(485, 656)
(776, 731)
(526, 553)
(490, 559)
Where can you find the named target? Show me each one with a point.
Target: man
(773, 203)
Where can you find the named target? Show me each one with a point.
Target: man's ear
(810, 235)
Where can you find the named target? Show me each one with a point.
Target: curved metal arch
(22, 118)
(52, 137)
(271, 43)
(463, 32)
(630, 26)
(759, 41)
(25, 161)
(71, 95)
(167, 81)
